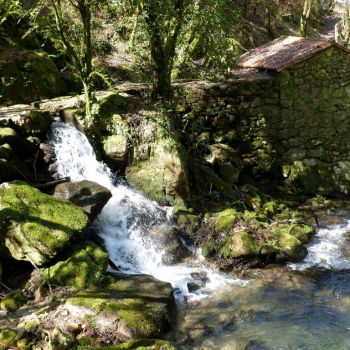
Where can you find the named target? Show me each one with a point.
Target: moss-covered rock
(162, 176)
(12, 301)
(140, 344)
(142, 304)
(241, 244)
(7, 135)
(35, 226)
(85, 267)
(301, 232)
(186, 220)
(290, 247)
(225, 220)
(115, 151)
(27, 76)
(7, 338)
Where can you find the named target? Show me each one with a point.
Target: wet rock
(34, 226)
(186, 220)
(169, 239)
(88, 195)
(200, 280)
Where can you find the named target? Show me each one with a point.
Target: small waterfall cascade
(127, 219)
(326, 250)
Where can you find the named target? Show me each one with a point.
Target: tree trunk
(161, 81)
(305, 17)
(88, 96)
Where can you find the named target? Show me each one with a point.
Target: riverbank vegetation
(152, 85)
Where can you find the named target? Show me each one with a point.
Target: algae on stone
(12, 301)
(141, 303)
(35, 226)
(85, 267)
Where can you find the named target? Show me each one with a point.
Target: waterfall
(127, 219)
(326, 249)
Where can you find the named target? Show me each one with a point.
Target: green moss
(12, 301)
(225, 220)
(291, 248)
(7, 135)
(85, 267)
(301, 232)
(141, 302)
(37, 226)
(31, 325)
(146, 318)
(144, 178)
(270, 208)
(111, 104)
(8, 337)
(241, 244)
(186, 219)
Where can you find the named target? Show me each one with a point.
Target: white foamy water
(127, 219)
(325, 250)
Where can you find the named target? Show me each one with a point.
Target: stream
(298, 306)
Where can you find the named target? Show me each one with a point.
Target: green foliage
(102, 47)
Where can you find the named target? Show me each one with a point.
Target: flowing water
(300, 306)
(128, 219)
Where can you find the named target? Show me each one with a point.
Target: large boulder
(84, 267)
(27, 76)
(135, 306)
(161, 176)
(88, 195)
(169, 240)
(34, 226)
(7, 135)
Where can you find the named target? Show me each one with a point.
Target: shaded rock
(34, 226)
(186, 220)
(7, 135)
(115, 149)
(27, 76)
(85, 267)
(88, 195)
(138, 306)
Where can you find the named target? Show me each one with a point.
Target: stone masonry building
(286, 110)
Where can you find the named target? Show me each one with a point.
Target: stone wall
(292, 125)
